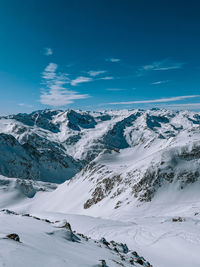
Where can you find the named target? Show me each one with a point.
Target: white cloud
(160, 82)
(48, 51)
(52, 67)
(96, 73)
(55, 92)
(163, 65)
(80, 79)
(112, 59)
(160, 100)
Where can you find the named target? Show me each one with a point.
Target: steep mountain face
(121, 153)
(35, 158)
(14, 159)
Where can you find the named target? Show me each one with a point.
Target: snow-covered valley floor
(164, 234)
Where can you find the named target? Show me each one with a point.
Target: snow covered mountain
(132, 176)
(120, 153)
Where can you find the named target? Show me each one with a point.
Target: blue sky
(99, 54)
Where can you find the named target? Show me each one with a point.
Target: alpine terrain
(107, 188)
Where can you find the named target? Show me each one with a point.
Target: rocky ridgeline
(119, 252)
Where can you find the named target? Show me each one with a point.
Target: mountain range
(129, 168)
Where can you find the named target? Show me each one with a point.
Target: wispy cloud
(186, 105)
(54, 92)
(106, 78)
(160, 82)
(80, 79)
(94, 73)
(114, 89)
(50, 71)
(160, 100)
(48, 51)
(112, 59)
(25, 105)
(163, 65)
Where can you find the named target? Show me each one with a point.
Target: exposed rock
(67, 226)
(9, 211)
(178, 219)
(14, 237)
(140, 261)
(103, 263)
(104, 241)
(36, 218)
(118, 263)
(46, 220)
(103, 189)
(25, 187)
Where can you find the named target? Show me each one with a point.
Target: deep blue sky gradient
(84, 35)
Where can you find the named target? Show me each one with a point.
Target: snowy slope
(42, 242)
(162, 230)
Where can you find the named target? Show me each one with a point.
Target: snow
(136, 171)
(147, 229)
(38, 248)
(46, 243)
